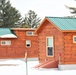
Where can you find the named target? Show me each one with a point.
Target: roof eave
(22, 28)
(68, 30)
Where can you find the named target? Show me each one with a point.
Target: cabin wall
(33, 50)
(48, 30)
(18, 48)
(69, 48)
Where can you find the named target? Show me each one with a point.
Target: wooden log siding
(63, 43)
(69, 48)
(48, 30)
(18, 48)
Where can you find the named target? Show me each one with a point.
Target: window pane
(8, 42)
(74, 39)
(29, 33)
(28, 43)
(50, 50)
(50, 41)
(5, 42)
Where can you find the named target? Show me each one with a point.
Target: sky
(52, 8)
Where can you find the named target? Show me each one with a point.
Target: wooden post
(26, 63)
(59, 56)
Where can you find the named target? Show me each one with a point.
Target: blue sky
(44, 7)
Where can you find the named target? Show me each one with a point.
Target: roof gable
(64, 24)
(37, 30)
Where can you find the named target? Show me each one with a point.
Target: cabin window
(5, 42)
(50, 48)
(29, 33)
(28, 43)
(74, 39)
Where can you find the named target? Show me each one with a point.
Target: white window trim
(5, 41)
(73, 39)
(49, 46)
(28, 34)
(30, 44)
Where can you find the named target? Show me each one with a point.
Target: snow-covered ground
(18, 67)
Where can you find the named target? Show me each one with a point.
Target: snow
(18, 67)
(8, 36)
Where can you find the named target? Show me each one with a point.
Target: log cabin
(54, 39)
(15, 41)
(57, 41)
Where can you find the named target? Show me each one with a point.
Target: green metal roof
(63, 23)
(6, 31)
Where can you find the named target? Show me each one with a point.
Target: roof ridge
(61, 17)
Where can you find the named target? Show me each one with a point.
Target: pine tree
(9, 16)
(31, 20)
(73, 10)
